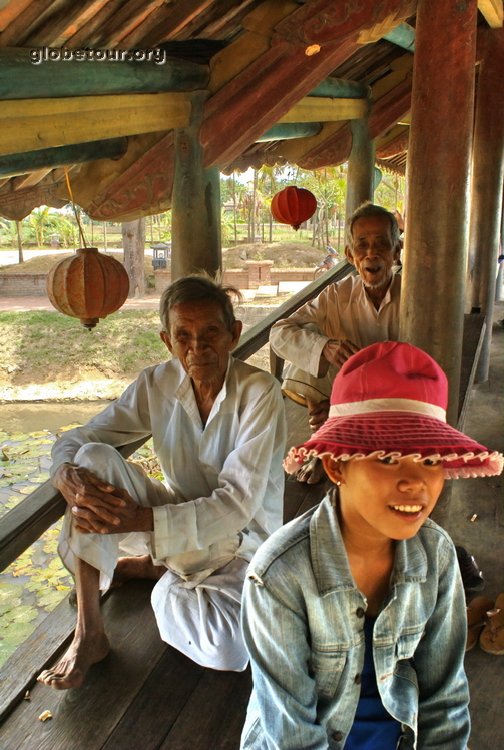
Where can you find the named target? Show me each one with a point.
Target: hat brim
(399, 435)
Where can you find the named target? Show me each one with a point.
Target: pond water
(36, 582)
(16, 418)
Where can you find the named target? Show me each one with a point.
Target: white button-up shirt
(225, 478)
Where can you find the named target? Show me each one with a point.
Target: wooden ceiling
(271, 81)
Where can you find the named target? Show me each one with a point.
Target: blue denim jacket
(303, 623)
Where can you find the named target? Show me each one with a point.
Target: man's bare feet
(312, 472)
(71, 670)
(136, 567)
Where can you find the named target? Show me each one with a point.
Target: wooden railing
(25, 523)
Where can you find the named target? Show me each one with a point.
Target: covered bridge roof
(92, 92)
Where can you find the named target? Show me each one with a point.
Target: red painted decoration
(89, 285)
(293, 205)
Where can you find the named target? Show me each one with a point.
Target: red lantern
(88, 285)
(293, 205)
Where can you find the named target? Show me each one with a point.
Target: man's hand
(317, 413)
(97, 506)
(126, 518)
(337, 352)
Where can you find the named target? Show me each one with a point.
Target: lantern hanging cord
(81, 231)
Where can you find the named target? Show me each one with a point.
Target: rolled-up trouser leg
(102, 550)
(203, 621)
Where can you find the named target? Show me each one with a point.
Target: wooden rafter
(317, 109)
(492, 10)
(27, 125)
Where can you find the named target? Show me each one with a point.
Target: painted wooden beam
(318, 109)
(254, 82)
(393, 143)
(141, 182)
(305, 47)
(27, 125)
(492, 11)
(17, 164)
(390, 96)
(402, 36)
(289, 131)
(16, 205)
(340, 88)
(26, 74)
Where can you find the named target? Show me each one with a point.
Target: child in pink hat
(354, 614)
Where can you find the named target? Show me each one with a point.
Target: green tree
(39, 224)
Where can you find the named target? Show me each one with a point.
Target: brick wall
(257, 273)
(23, 285)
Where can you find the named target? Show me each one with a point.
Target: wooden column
(360, 180)
(196, 242)
(432, 298)
(487, 178)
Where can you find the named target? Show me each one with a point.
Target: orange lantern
(88, 285)
(293, 205)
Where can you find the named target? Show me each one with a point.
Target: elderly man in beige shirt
(361, 309)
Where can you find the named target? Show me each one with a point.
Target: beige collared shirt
(341, 311)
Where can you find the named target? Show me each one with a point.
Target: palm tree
(38, 222)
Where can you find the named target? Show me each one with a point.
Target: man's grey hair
(368, 209)
(195, 288)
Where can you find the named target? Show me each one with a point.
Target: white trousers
(202, 621)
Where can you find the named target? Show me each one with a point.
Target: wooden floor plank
(85, 717)
(215, 715)
(157, 706)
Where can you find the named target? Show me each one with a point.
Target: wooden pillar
(196, 244)
(487, 178)
(360, 178)
(432, 297)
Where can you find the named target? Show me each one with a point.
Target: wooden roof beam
(492, 11)
(289, 131)
(25, 74)
(318, 109)
(15, 205)
(304, 48)
(18, 164)
(31, 124)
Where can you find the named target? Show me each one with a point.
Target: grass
(42, 345)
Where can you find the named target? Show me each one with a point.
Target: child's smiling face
(392, 497)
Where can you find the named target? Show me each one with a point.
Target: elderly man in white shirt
(218, 430)
(348, 315)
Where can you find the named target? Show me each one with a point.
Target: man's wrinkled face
(373, 253)
(201, 340)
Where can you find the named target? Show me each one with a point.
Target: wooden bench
(145, 694)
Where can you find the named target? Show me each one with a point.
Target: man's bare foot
(312, 472)
(71, 670)
(136, 567)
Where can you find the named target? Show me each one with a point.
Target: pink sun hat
(389, 399)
